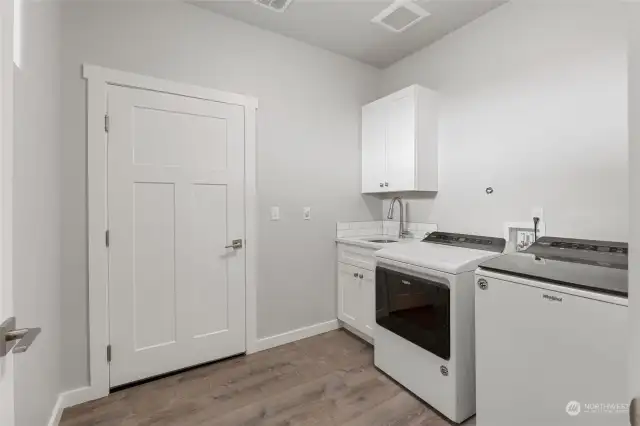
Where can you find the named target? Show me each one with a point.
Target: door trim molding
(56, 413)
(98, 78)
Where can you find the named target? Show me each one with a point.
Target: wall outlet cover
(275, 213)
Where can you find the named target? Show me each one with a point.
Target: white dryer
(424, 335)
(551, 335)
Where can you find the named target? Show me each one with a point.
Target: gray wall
(534, 104)
(36, 212)
(308, 146)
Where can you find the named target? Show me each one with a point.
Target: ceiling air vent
(275, 5)
(401, 15)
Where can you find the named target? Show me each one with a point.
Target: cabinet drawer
(356, 256)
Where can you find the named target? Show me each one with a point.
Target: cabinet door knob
(386, 184)
(381, 185)
(361, 276)
(355, 274)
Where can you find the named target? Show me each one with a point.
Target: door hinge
(106, 238)
(108, 353)
(106, 123)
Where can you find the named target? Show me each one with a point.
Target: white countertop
(363, 241)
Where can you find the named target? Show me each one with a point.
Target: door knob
(386, 184)
(361, 276)
(381, 185)
(20, 340)
(355, 274)
(235, 244)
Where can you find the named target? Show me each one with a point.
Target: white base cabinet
(400, 142)
(356, 298)
(356, 288)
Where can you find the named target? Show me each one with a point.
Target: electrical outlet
(275, 213)
(306, 213)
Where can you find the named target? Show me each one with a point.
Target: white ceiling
(344, 27)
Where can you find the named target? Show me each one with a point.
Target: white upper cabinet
(400, 142)
(374, 129)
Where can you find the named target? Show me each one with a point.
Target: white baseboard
(79, 396)
(56, 414)
(294, 335)
(69, 399)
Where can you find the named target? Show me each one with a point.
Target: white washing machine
(551, 335)
(424, 335)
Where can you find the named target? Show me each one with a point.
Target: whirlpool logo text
(551, 298)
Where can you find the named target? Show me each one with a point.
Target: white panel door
(401, 140)
(349, 300)
(175, 200)
(374, 129)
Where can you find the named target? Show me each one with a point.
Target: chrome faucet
(401, 232)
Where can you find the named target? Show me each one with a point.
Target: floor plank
(327, 380)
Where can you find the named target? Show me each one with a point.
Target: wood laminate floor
(324, 380)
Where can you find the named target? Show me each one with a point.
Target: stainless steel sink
(383, 241)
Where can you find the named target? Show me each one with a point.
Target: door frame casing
(98, 80)
(7, 56)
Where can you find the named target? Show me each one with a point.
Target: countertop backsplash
(382, 227)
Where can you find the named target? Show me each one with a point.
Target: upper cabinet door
(401, 143)
(374, 121)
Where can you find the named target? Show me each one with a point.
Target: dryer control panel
(477, 242)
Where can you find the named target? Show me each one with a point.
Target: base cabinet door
(349, 294)
(368, 291)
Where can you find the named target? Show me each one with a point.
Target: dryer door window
(416, 309)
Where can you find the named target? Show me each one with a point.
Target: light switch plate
(275, 213)
(306, 213)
